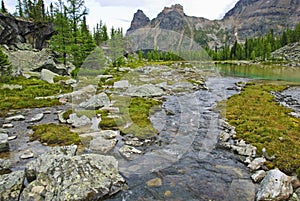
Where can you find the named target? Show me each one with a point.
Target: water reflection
(284, 73)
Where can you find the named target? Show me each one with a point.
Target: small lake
(282, 73)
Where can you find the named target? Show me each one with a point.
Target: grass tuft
(53, 134)
(262, 122)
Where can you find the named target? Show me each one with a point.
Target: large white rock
(96, 101)
(60, 175)
(121, 84)
(78, 121)
(275, 186)
(48, 76)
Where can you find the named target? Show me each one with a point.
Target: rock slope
(249, 18)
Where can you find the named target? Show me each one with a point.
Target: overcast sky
(119, 13)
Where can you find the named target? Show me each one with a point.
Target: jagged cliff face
(13, 31)
(248, 19)
(252, 18)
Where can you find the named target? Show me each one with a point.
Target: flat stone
(27, 154)
(15, 118)
(258, 176)
(146, 90)
(7, 126)
(96, 101)
(12, 137)
(12, 86)
(37, 117)
(121, 84)
(78, 121)
(102, 145)
(101, 141)
(47, 112)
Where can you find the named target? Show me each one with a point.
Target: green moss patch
(262, 122)
(133, 117)
(25, 97)
(53, 134)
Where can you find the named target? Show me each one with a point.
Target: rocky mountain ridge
(248, 19)
(14, 30)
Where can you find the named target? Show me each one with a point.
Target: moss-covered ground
(25, 97)
(133, 117)
(53, 134)
(262, 122)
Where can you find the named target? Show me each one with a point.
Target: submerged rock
(11, 185)
(59, 175)
(275, 186)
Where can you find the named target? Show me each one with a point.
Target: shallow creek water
(185, 160)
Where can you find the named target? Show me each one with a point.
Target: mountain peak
(139, 20)
(176, 7)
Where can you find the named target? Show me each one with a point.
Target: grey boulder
(275, 186)
(59, 175)
(11, 185)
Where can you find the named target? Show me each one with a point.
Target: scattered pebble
(27, 154)
(7, 125)
(156, 182)
(12, 138)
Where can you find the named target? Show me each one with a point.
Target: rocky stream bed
(195, 155)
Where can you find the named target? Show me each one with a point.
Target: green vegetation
(25, 97)
(5, 67)
(87, 113)
(262, 122)
(133, 117)
(53, 134)
(256, 48)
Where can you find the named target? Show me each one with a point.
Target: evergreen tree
(20, 8)
(76, 11)
(3, 8)
(61, 42)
